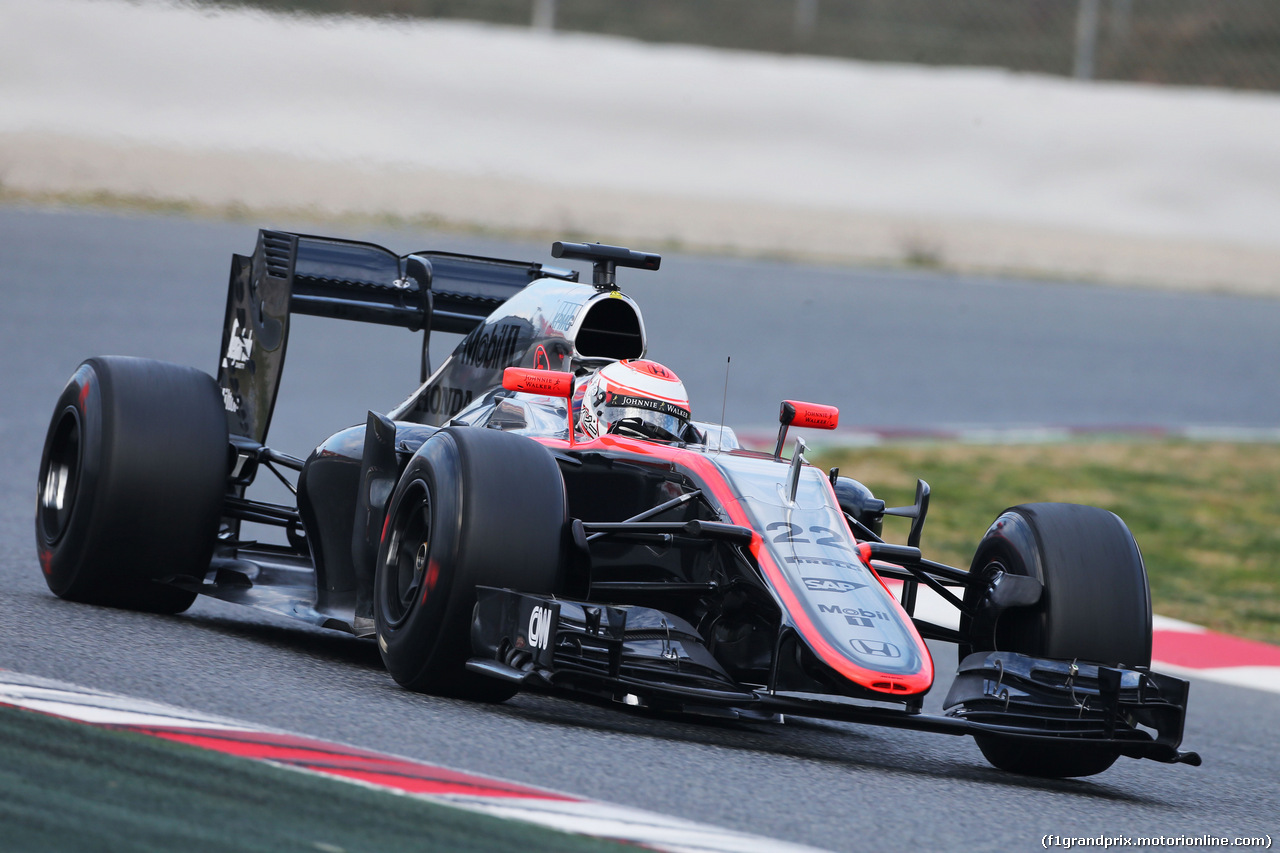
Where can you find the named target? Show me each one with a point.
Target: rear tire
(473, 507)
(1096, 607)
(132, 481)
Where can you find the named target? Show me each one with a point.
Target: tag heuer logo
(829, 585)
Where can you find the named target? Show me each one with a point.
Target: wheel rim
(60, 477)
(992, 643)
(408, 563)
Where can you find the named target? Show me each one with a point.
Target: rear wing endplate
(346, 280)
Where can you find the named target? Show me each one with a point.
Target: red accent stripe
(347, 762)
(618, 387)
(430, 581)
(1210, 650)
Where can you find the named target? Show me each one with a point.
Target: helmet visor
(645, 423)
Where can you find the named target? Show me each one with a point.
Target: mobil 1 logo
(859, 617)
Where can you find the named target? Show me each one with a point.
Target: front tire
(473, 507)
(131, 486)
(1096, 607)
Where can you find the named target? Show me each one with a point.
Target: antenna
(724, 403)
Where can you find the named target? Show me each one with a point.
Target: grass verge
(67, 786)
(1206, 514)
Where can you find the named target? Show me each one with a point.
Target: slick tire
(1096, 607)
(132, 481)
(474, 507)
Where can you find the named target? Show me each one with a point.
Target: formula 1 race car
(526, 520)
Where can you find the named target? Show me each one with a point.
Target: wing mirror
(806, 416)
(548, 383)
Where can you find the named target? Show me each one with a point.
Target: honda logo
(876, 648)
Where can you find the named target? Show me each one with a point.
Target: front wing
(644, 657)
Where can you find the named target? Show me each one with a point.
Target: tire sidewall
(63, 558)
(1010, 543)
(425, 624)
(1053, 628)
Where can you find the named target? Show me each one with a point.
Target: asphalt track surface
(77, 284)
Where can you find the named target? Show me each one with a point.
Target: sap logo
(853, 615)
(830, 585)
(540, 627)
(876, 648)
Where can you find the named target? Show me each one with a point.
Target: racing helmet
(635, 397)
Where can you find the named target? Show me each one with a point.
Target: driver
(638, 398)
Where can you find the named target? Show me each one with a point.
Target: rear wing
(346, 280)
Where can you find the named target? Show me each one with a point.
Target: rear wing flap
(346, 280)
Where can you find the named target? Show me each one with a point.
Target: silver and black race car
(489, 547)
